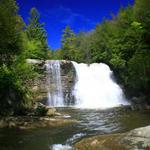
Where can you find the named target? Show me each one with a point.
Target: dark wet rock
(40, 109)
(139, 103)
(133, 107)
(68, 76)
(137, 139)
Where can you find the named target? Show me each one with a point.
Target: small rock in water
(66, 116)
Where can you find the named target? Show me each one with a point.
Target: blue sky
(79, 14)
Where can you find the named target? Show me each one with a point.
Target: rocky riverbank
(137, 139)
(39, 116)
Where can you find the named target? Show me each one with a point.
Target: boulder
(34, 61)
(51, 112)
(137, 139)
(43, 110)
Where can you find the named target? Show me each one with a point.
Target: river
(90, 122)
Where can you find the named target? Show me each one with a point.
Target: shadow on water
(91, 122)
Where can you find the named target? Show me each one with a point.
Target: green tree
(36, 37)
(14, 94)
(10, 35)
(84, 44)
(69, 51)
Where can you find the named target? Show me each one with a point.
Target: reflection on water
(91, 122)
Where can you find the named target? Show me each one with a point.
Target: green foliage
(36, 39)
(139, 72)
(56, 54)
(35, 29)
(10, 25)
(16, 45)
(13, 95)
(34, 49)
(69, 50)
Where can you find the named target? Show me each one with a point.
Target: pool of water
(91, 122)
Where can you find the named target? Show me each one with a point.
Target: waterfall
(96, 88)
(54, 87)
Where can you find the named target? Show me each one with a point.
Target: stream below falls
(91, 122)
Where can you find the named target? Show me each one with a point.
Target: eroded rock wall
(68, 77)
(39, 85)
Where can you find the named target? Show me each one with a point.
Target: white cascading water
(54, 87)
(95, 87)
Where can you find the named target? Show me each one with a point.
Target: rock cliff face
(68, 77)
(39, 85)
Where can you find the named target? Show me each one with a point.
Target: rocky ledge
(137, 139)
(31, 122)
